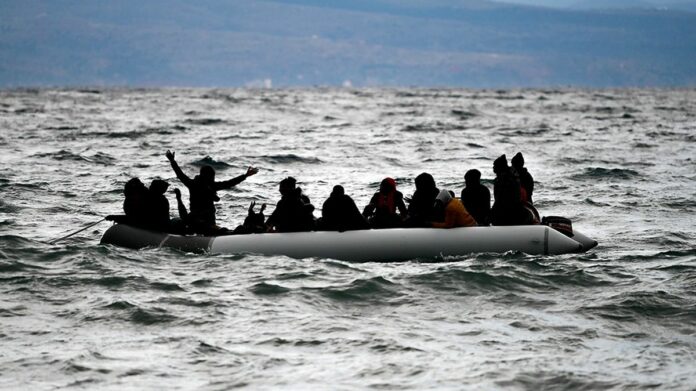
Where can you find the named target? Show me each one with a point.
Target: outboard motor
(560, 224)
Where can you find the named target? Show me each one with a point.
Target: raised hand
(169, 155)
(251, 171)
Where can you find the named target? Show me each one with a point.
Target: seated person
(526, 180)
(420, 206)
(254, 223)
(507, 208)
(339, 213)
(455, 213)
(293, 213)
(135, 205)
(158, 206)
(381, 212)
(476, 197)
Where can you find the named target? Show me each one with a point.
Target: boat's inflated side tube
(386, 245)
(136, 238)
(400, 243)
(587, 243)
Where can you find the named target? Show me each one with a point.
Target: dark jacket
(339, 213)
(421, 210)
(382, 210)
(526, 181)
(203, 197)
(293, 213)
(477, 200)
(135, 204)
(508, 208)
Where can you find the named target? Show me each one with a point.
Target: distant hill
(644, 4)
(472, 43)
(676, 5)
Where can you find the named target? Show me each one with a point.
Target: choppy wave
(619, 163)
(290, 159)
(600, 173)
(209, 161)
(205, 121)
(636, 306)
(98, 158)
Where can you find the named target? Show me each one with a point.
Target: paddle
(76, 232)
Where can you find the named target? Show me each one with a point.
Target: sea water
(77, 314)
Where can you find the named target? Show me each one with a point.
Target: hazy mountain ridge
(684, 5)
(309, 42)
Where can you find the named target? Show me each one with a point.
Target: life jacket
(523, 195)
(385, 202)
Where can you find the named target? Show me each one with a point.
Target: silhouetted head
(287, 186)
(207, 174)
(425, 182)
(158, 186)
(388, 185)
(134, 187)
(472, 177)
(338, 191)
(500, 165)
(517, 160)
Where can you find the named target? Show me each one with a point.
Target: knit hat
(518, 160)
(500, 163)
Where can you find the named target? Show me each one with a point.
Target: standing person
(294, 211)
(507, 208)
(476, 197)
(455, 213)
(381, 212)
(203, 195)
(420, 207)
(526, 180)
(339, 213)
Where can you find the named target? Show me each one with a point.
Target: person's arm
(230, 183)
(449, 222)
(488, 199)
(401, 206)
(370, 208)
(118, 219)
(177, 170)
(271, 220)
(183, 213)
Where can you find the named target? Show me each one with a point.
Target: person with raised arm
(203, 194)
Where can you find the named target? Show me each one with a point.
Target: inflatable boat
(386, 245)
